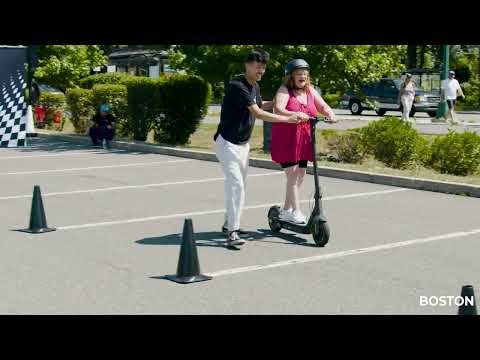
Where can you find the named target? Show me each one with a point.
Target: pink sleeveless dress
(293, 142)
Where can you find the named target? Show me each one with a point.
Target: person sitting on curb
(103, 130)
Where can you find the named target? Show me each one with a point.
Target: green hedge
(171, 105)
(349, 147)
(392, 141)
(333, 100)
(144, 104)
(104, 78)
(185, 100)
(80, 105)
(116, 97)
(218, 91)
(456, 153)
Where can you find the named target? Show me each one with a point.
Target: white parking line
(99, 151)
(217, 211)
(128, 187)
(33, 145)
(95, 167)
(344, 253)
(46, 147)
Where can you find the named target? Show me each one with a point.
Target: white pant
(407, 102)
(234, 161)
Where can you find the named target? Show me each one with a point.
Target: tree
(215, 63)
(412, 56)
(334, 67)
(62, 66)
(343, 67)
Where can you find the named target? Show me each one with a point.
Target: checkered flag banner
(13, 106)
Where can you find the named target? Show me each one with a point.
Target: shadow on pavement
(214, 239)
(292, 238)
(44, 146)
(217, 239)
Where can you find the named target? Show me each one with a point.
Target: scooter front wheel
(320, 233)
(273, 215)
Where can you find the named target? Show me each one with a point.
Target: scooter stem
(313, 124)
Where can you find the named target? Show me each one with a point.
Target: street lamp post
(32, 62)
(442, 106)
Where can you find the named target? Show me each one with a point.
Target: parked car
(38, 89)
(41, 111)
(385, 94)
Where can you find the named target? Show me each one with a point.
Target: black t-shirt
(236, 121)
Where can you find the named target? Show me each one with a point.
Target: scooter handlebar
(315, 119)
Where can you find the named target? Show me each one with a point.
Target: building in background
(138, 62)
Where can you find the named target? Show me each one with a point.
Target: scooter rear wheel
(273, 214)
(320, 233)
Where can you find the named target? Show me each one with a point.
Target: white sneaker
(285, 214)
(234, 239)
(298, 217)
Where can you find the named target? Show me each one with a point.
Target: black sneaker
(234, 239)
(241, 232)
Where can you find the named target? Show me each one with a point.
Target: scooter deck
(298, 228)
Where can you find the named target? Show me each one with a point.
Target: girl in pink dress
(291, 144)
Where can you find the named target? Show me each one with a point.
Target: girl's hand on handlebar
(304, 117)
(295, 118)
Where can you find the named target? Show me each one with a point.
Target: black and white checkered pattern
(13, 111)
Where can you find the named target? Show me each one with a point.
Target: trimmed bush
(116, 97)
(80, 105)
(55, 103)
(329, 133)
(104, 78)
(144, 104)
(185, 100)
(218, 91)
(456, 153)
(171, 105)
(333, 100)
(423, 151)
(472, 92)
(391, 141)
(349, 147)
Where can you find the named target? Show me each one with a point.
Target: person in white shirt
(406, 96)
(450, 90)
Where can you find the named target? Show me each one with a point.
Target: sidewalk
(347, 121)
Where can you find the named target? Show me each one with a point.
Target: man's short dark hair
(258, 55)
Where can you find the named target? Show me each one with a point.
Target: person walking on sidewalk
(450, 90)
(241, 105)
(291, 144)
(406, 96)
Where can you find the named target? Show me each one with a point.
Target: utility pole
(442, 106)
(32, 59)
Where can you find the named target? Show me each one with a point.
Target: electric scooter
(317, 223)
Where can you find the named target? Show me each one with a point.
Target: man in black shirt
(103, 129)
(242, 104)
